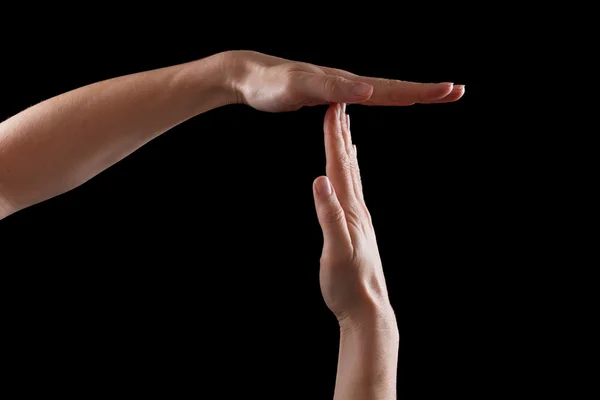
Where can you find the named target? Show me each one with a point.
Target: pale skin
(62, 142)
(352, 279)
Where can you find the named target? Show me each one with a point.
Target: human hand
(351, 275)
(275, 84)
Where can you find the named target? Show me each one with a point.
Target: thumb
(331, 214)
(333, 89)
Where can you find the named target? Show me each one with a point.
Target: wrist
(375, 317)
(235, 68)
(208, 82)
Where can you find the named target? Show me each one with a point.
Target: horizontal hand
(275, 84)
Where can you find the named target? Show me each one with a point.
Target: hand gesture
(351, 275)
(275, 84)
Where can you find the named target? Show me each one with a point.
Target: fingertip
(457, 93)
(322, 186)
(331, 110)
(439, 90)
(460, 89)
(329, 114)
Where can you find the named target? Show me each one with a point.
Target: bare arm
(352, 278)
(62, 142)
(368, 359)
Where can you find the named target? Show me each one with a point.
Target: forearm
(368, 359)
(62, 142)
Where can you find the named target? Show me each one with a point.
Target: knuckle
(353, 161)
(331, 84)
(354, 212)
(358, 215)
(347, 164)
(333, 215)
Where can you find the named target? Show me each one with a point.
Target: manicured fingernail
(323, 186)
(460, 87)
(344, 108)
(348, 121)
(354, 149)
(361, 89)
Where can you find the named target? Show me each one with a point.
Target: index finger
(390, 92)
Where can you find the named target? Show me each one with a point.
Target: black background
(193, 263)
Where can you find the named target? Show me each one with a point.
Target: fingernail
(361, 89)
(323, 186)
(344, 108)
(354, 149)
(459, 87)
(348, 121)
